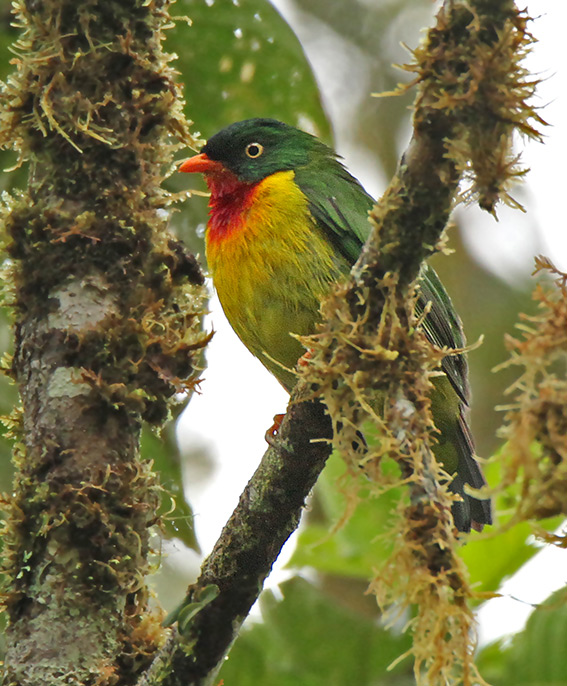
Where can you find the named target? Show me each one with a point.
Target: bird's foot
(272, 432)
(304, 359)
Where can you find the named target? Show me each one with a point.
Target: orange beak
(201, 164)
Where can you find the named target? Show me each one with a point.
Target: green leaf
(494, 556)
(175, 511)
(241, 60)
(185, 613)
(309, 639)
(491, 560)
(363, 542)
(356, 548)
(537, 656)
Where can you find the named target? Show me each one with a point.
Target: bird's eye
(254, 150)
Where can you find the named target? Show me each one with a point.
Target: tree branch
(462, 71)
(267, 514)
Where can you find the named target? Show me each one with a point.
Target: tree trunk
(104, 333)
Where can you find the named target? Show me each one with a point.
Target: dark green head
(255, 148)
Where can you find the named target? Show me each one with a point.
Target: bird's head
(253, 149)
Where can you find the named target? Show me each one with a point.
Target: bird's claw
(272, 432)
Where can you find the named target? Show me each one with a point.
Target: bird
(286, 222)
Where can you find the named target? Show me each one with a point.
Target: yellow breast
(272, 271)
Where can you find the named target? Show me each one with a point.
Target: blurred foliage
(351, 550)
(238, 59)
(354, 547)
(177, 516)
(379, 35)
(241, 60)
(7, 36)
(308, 638)
(536, 656)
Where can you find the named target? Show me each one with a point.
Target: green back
(338, 202)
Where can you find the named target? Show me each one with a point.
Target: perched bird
(287, 221)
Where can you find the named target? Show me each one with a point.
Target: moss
(107, 309)
(535, 427)
(93, 109)
(472, 68)
(370, 361)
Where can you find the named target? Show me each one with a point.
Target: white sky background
(239, 397)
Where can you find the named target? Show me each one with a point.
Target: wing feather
(340, 206)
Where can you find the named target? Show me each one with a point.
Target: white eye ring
(254, 150)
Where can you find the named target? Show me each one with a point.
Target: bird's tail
(470, 512)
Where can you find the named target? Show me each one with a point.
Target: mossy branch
(472, 92)
(535, 457)
(267, 514)
(106, 308)
(469, 67)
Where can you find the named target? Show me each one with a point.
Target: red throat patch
(230, 198)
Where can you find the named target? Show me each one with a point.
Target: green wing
(338, 203)
(340, 206)
(444, 329)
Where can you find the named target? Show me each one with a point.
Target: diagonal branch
(267, 514)
(454, 119)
